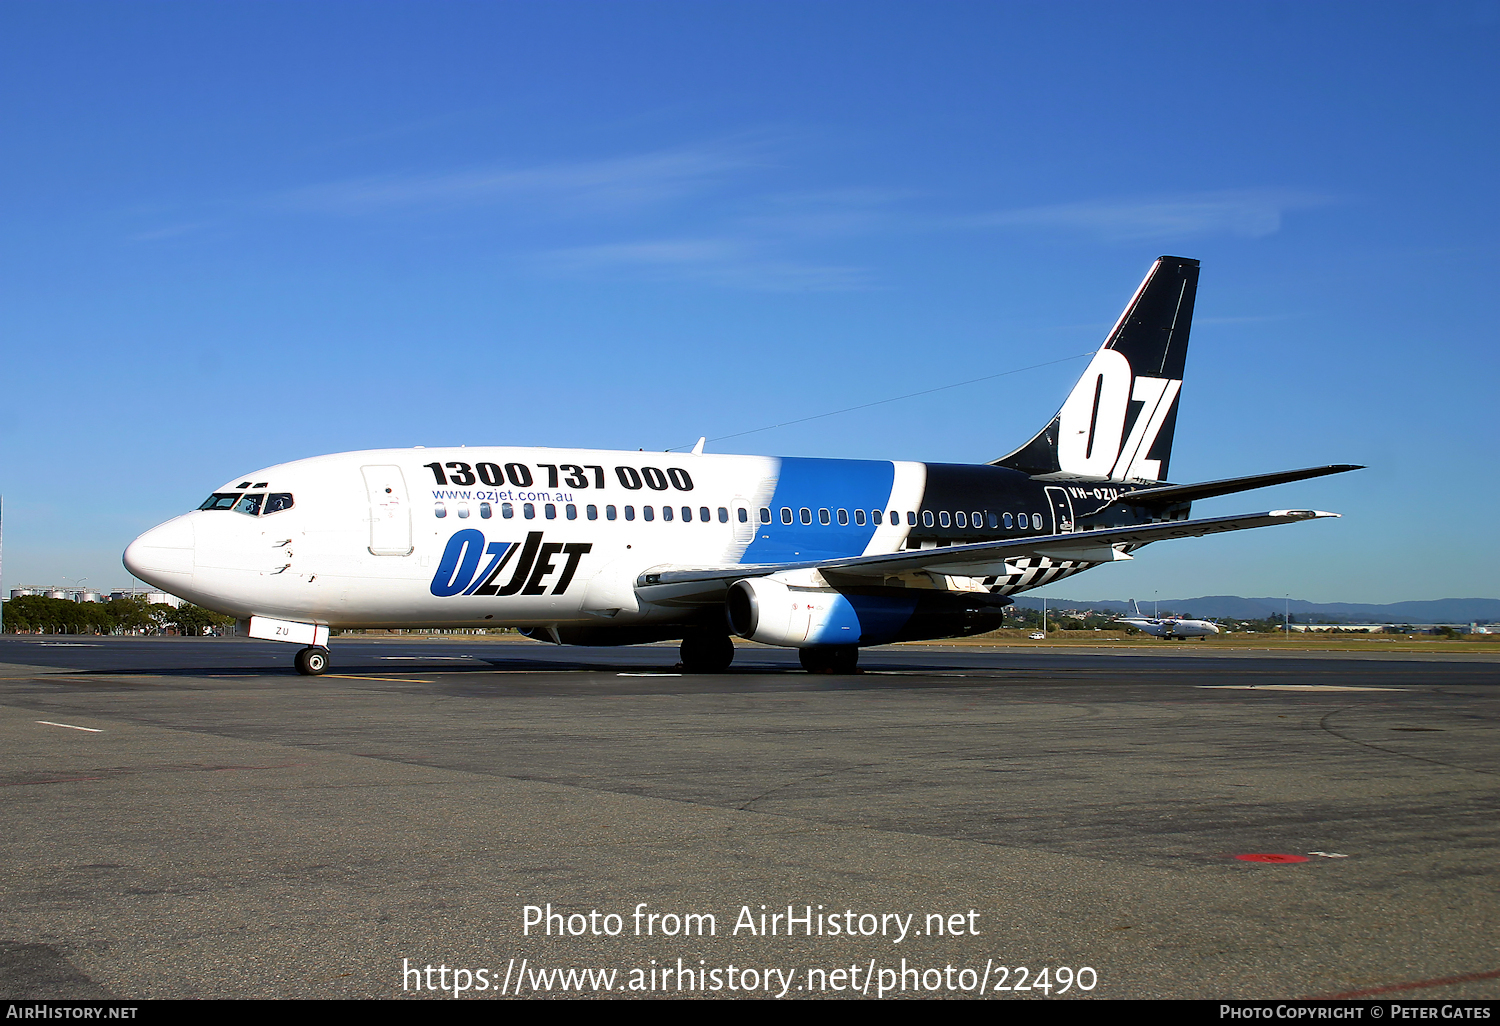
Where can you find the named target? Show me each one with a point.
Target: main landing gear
(312, 661)
(706, 652)
(830, 659)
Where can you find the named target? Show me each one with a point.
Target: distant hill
(1453, 610)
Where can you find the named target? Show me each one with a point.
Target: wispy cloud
(1247, 213)
(826, 214)
(731, 262)
(596, 186)
(707, 213)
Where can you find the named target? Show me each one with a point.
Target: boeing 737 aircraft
(593, 547)
(1168, 626)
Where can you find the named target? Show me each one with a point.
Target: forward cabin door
(390, 513)
(1062, 510)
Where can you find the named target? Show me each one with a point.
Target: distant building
(152, 596)
(1358, 628)
(85, 595)
(1391, 628)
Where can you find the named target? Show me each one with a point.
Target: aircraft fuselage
(542, 537)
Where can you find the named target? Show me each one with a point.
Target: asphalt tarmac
(188, 818)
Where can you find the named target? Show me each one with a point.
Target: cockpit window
(252, 505)
(249, 505)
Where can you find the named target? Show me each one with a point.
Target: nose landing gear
(312, 661)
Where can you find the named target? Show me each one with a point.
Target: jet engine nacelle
(773, 612)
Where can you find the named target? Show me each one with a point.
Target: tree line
(38, 614)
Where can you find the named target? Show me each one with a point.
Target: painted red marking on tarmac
(1416, 985)
(1271, 858)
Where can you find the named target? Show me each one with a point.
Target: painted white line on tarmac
(70, 726)
(1288, 687)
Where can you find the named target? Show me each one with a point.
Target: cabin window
(724, 515)
(484, 511)
(439, 510)
(629, 512)
(994, 521)
(550, 510)
(592, 512)
(687, 514)
(786, 514)
(704, 515)
(666, 513)
(1036, 521)
(249, 505)
(911, 518)
(843, 518)
(805, 515)
(609, 512)
(875, 517)
(528, 511)
(859, 517)
(927, 518)
(1009, 522)
(571, 511)
(648, 512)
(960, 519)
(823, 517)
(944, 519)
(507, 510)
(976, 519)
(463, 511)
(765, 515)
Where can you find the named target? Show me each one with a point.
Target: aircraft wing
(980, 559)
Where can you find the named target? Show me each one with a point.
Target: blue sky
(238, 234)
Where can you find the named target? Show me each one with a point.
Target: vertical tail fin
(1117, 423)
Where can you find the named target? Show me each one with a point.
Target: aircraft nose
(163, 556)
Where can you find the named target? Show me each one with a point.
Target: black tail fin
(1118, 422)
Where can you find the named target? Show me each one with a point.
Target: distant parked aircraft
(1168, 626)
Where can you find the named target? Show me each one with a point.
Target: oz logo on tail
(1112, 419)
(459, 572)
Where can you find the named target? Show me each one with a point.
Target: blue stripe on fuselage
(821, 484)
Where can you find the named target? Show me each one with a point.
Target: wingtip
(1303, 514)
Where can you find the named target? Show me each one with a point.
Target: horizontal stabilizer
(1228, 486)
(971, 560)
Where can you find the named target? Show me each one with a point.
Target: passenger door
(390, 513)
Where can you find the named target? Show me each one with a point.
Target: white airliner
(1168, 626)
(592, 547)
